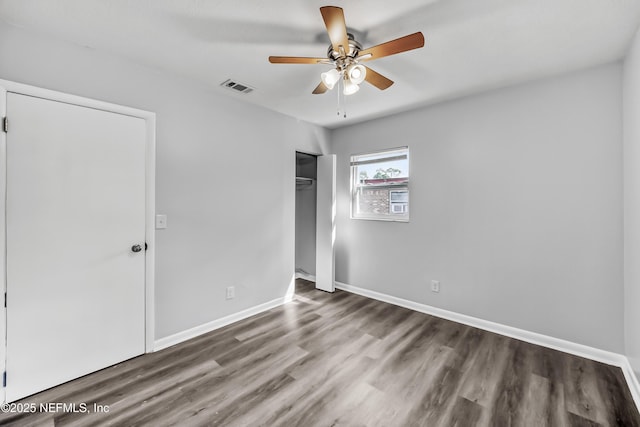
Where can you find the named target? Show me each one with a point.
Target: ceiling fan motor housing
(344, 59)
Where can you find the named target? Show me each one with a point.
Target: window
(380, 185)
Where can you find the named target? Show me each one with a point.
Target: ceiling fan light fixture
(330, 78)
(349, 87)
(345, 54)
(357, 73)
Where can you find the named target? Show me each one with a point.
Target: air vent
(238, 87)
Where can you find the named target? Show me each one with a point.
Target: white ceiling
(471, 45)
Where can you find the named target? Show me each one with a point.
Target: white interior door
(75, 208)
(325, 222)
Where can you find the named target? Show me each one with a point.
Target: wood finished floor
(344, 360)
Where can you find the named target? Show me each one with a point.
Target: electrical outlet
(231, 292)
(435, 286)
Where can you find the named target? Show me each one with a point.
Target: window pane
(380, 185)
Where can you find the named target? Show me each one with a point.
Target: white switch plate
(161, 222)
(231, 292)
(435, 286)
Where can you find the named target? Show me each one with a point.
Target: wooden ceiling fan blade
(321, 88)
(336, 27)
(297, 60)
(377, 79)
(403, 44)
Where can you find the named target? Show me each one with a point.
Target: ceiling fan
(345, 54)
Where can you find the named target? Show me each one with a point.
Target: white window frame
(355, 185)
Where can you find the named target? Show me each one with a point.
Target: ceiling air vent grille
(235, 86)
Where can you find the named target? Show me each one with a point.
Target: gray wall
(631, 120)
(516, 207)
(212, 151)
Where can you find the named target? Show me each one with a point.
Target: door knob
(136, 248)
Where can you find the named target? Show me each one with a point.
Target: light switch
(161, 222)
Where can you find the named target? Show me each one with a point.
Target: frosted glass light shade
(357, 73)
(330, 78)
(349, 87)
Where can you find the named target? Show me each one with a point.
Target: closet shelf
(303, 180)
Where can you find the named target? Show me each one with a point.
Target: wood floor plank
(465, 413)
(393, 339)
(466, 348)
(582, 392)
(315, 405)
(480, 385)
(507, 405)
(212, 393)
(411, 368)
(345, 360)
(535, 403)
(578, 421)
(435, 407)
(612, 384)
(311, 379)
(549, 364)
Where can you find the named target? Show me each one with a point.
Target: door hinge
(5, 300)
(4, 379)
(5, 125)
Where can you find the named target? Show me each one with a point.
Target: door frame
(150, 163)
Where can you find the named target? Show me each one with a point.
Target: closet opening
(306, 204)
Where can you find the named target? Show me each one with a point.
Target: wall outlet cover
(435, 286)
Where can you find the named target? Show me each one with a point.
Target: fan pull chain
(342, 100)
(344, 106)
(339, 91)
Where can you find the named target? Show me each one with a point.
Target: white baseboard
(581, 350)
(218, 323)
(305, 276)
